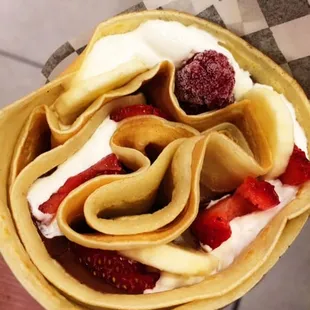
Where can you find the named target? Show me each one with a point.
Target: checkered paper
(279, 28)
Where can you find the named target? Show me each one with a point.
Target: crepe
(37, 134)
(28, 163)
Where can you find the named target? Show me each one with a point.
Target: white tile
(287, 285)
(181, 5)
(297, 46)
(252, 16)
(201, 5)
(230, 14)
(36, 28)
(17, 80)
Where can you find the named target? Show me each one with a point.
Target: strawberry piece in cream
(212, 227)
(108, 165)
(117, 270)
(298, 169)
(260, 194)
(135, 110)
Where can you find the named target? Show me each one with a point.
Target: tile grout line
(21, 59)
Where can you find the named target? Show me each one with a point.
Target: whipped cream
(169, 281)
(158, 40)
(153, 42)
(246, 228)
(96, 148)
(244, 231)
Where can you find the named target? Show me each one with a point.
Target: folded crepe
(172, 166)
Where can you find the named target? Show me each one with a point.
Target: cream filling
(96, 148)
(152, 42)
(246, 228)
(169, 281)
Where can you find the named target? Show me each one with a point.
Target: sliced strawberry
(298, 169)
(117, 270)
(134, 110)
(260, 193)
(51, 206)
(212, 227)
(108, 165)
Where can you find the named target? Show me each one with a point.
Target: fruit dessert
(155, 173)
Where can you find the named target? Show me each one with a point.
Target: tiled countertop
(31, 31)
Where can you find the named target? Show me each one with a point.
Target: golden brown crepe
(72, 123)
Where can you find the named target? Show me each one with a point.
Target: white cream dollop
(96, 148)
(153, 42)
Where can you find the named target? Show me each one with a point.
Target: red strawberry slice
(117, 270)
(212, 227)
(134, 110)
(298, 169)
(260, 194)
(108, 165)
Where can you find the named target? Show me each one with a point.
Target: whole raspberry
(205, 82)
